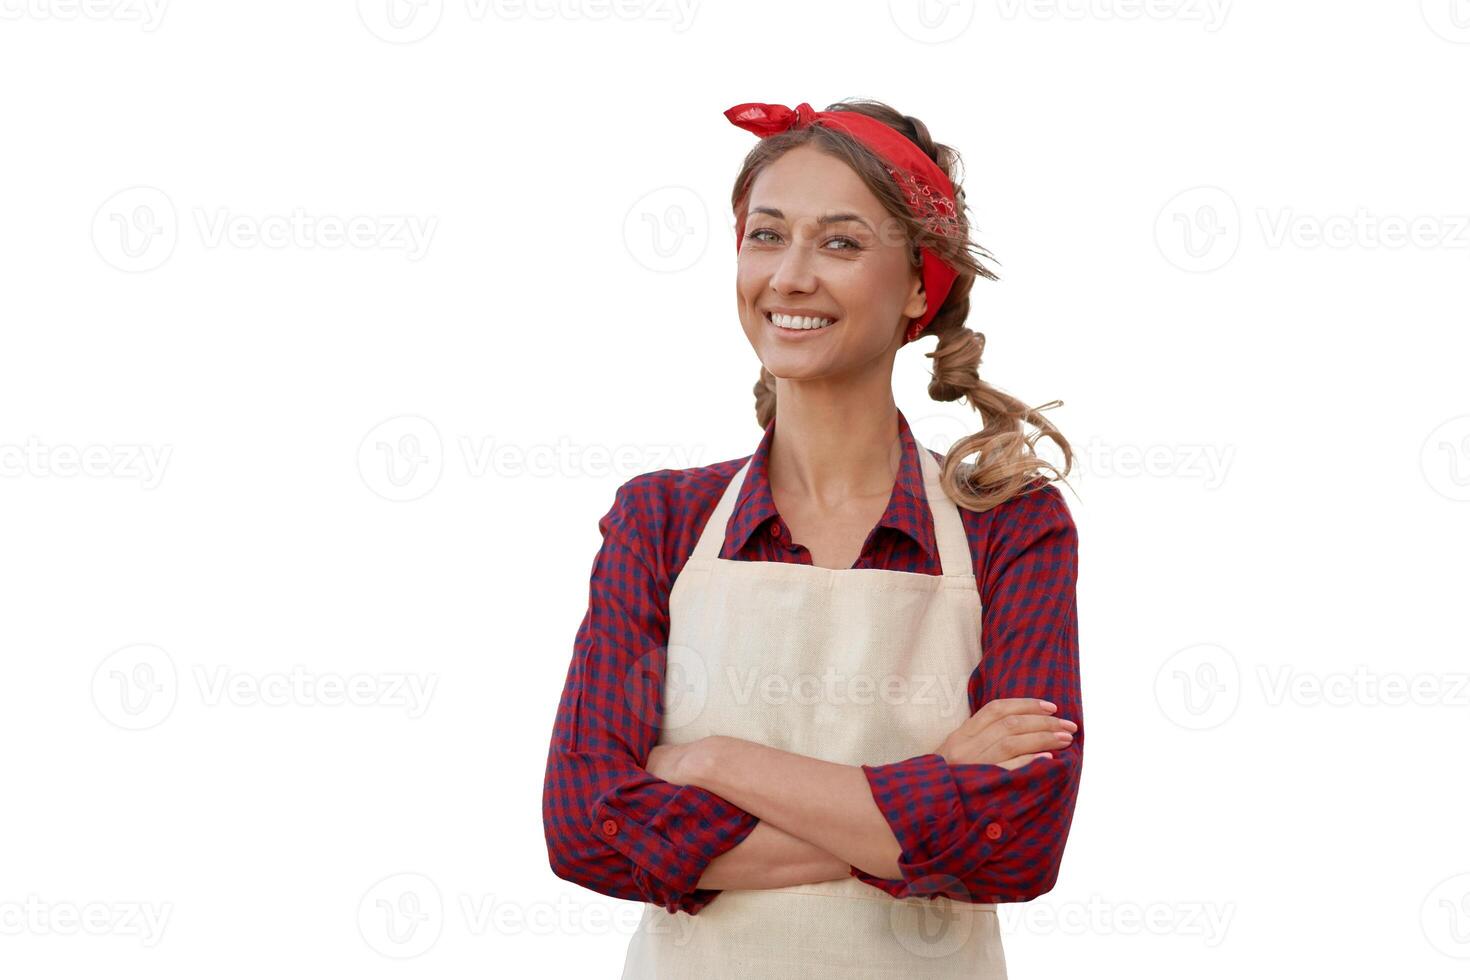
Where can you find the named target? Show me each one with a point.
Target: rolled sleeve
(610, 825)
(976, 833)
(670, 850)
(981, 832)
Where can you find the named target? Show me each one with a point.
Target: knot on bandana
(765, 119)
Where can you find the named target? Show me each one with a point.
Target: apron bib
(855, 665)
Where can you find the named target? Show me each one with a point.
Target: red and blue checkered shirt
(998, 833)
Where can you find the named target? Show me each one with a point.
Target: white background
(240, 453)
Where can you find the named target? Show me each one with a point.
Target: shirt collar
(907, 511)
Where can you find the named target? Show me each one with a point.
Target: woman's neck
(834, 448)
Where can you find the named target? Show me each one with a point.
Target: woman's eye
(757, 233)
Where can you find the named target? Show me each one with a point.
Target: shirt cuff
(941, 845)
(670, 848)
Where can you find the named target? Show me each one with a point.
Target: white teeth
(800, 322)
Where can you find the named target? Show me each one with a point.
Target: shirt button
(609, 827)
(992, 830)
(775, 530)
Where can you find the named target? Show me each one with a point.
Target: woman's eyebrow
(830, 219)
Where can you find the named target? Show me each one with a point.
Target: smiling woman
(869, 825)
(901, 243)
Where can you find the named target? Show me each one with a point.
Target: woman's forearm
(768, 857)
(825, 803)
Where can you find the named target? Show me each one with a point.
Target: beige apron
(855, 665)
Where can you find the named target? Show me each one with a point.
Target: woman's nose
(794, 272)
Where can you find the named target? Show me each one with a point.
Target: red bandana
(927, 188)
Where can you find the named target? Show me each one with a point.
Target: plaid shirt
(976, 831)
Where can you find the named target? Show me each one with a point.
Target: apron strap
(712, 539)
(949, 529)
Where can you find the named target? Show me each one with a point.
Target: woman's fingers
(997, 709)
(1006, 728)
(1008, 737)
(1021, 760)
(1015, 734)
(1039, 741)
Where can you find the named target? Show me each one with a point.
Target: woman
(777, 728)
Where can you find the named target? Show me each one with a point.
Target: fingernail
(1048, 706)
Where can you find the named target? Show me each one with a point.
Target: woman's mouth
(799, 324)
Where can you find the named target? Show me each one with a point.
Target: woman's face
(854, 271)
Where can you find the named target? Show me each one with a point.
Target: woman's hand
(1008, 732)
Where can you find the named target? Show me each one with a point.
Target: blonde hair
(1008, 464)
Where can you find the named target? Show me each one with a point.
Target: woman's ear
(918, 301)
